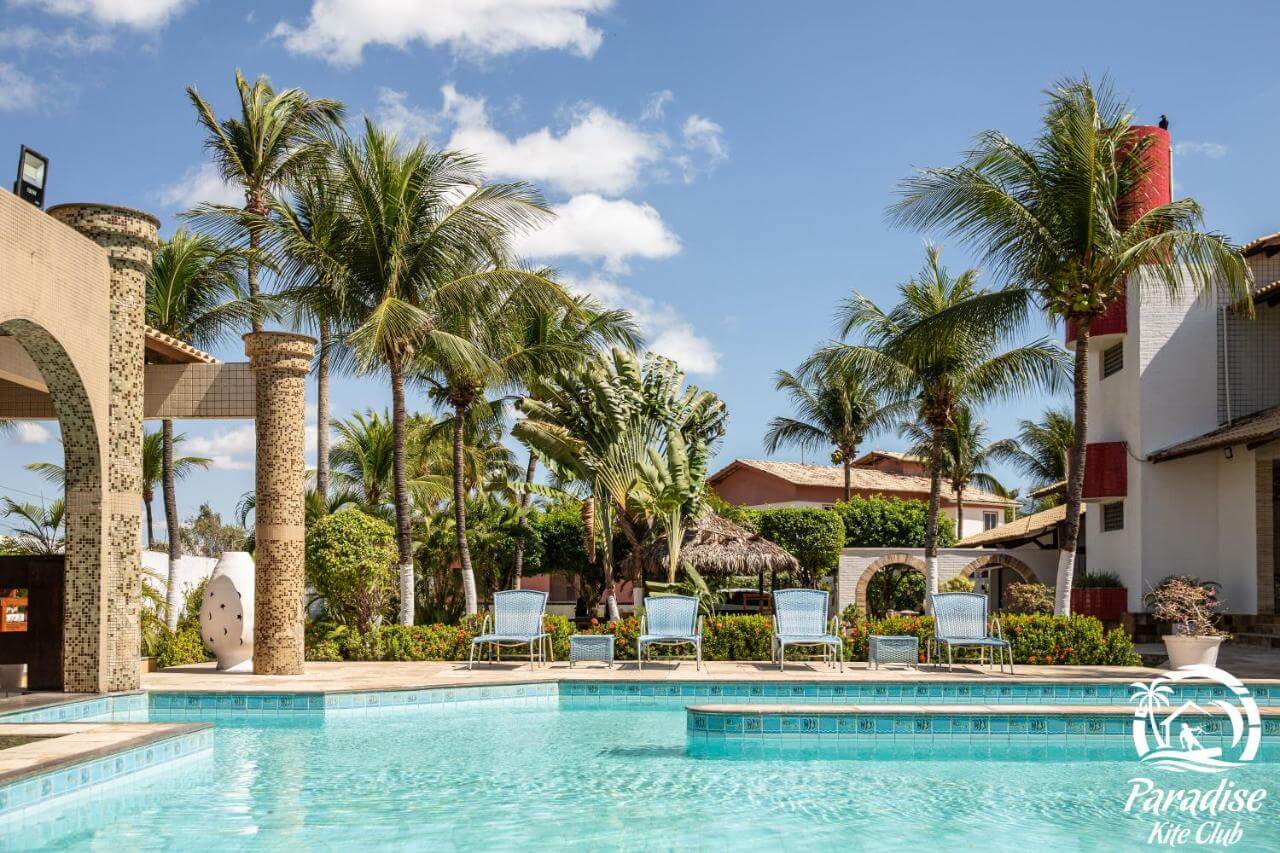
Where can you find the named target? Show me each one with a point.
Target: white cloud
(199, 184)
(32, 432)
(598, 152)
(408, 123)
(703, 134)
(657, 106)
(592, 228)
(230, 449)
(1209, 150)
(17, 90)
(66, 41)
(666, 331)
(140, 14)
(339, 30)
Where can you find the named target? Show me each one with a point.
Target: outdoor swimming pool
(573, 775)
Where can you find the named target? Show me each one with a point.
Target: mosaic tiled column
(280, 363)
(104, 595)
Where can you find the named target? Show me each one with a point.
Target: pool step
(965, 721)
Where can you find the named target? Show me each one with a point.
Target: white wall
(191, 570)
(1237, 557)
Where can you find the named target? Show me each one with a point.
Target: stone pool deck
(1244, 662)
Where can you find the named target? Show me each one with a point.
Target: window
(990, 520)
(1112, 360)
(1113, 516)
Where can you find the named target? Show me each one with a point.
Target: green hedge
(879, 522)
(1076, 640)
(1036, 639)
(813, 536)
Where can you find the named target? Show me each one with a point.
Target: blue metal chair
(516, 620)
(800, 619)
(960, 620)
(670, 620)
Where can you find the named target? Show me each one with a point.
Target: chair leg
(639, 656)
(950, 665)
(471, 656)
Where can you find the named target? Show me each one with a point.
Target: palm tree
(837, 409)
(939, 358)
(274, 140)
(41, 529)
(1044, 447)
(596, 423)
(423, 230)
(555, 335)
(361, 458)
(1058, 222)
(152, 472)
(966, 456)
(193, 294)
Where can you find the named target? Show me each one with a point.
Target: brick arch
(884, 562)
(1005, 560)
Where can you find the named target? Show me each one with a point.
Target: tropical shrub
(184, 646)
(1029, 598)
(813, 536)
(959, 583)
(879, 522)
(351, 565)
(895, 588)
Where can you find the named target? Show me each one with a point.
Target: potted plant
(1102, 595)
(1187, 604)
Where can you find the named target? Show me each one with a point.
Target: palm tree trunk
(931, 523)
(147, 495)
(1075, 473)
(173, 595)
(257, 207)
(460, 509)
(518, 562)
(959, 512)
(322, 413)
(848, 487)
(610, 588)
(404, 533)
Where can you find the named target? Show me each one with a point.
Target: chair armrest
(698, 628)
(773, 619)
(486, 624)
(644, 624)
(835, 627)
(999, 630)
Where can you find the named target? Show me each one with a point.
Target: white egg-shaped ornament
(226, 612)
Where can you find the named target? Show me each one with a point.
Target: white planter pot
(1185, 650)
(226, 614)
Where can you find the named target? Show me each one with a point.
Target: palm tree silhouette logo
(1171, 738)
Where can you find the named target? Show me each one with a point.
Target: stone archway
(83, 493)
(860, 594)
(1003, 560)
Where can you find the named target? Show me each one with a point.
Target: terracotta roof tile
(176, 350)
(1020, 528)
(862, 479)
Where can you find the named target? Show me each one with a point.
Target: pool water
(540, 778)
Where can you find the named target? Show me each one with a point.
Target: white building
(1183, 468)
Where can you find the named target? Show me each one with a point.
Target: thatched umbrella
(716, 546)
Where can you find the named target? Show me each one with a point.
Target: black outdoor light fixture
(33, 171)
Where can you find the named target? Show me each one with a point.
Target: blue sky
(722, 168)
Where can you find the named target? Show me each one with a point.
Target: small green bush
(957, 584)
(1029, 598)
(813, 536)
(1099, 580)
(879, 522)
(328, 642)
(351, 565)
(182, 647)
